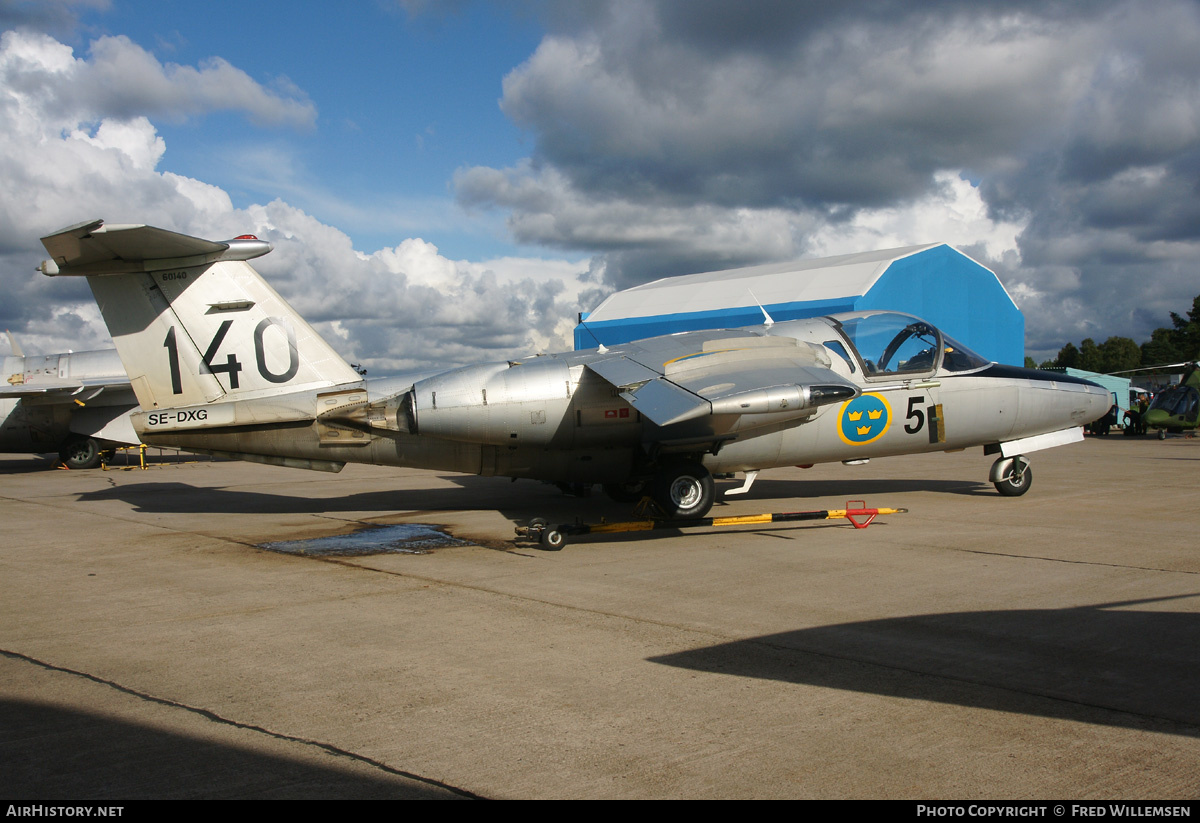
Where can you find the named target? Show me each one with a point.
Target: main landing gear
(681, 488)
(1011, 476)
(81, 453)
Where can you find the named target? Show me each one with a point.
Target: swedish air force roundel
(864, 419)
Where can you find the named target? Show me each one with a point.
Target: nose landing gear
(1011, 476)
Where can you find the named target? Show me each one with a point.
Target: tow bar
(553, 538)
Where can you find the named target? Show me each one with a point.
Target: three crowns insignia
(873, 415)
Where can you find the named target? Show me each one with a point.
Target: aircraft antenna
(14, 345)
(768, 321)
(600, 347)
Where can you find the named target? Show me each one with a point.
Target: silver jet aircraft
(221, 364)
(76, 404)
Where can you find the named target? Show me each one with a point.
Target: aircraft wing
(688, 376)
(85, 389)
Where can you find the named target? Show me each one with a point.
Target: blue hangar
(934, 281)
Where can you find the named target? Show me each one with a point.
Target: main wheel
(80, 453)
(1162, 434)
(1018, 481)
(683, 489)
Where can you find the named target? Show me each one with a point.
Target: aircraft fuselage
(551, 417)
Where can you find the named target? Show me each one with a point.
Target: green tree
(1187, 331)
(1089, 355)
(1161, 348)
(1068, 357)
(1119, 354)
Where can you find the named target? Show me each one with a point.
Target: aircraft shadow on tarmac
(49, 752)
(1106, 663)
(768, 489)
(473, 493)
(28, 465)
(183, 498)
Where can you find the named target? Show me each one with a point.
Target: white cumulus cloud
(63, 161)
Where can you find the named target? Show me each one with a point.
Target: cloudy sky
(451, 182)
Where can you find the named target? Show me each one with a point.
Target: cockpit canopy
(1183, 401)
(894, 344)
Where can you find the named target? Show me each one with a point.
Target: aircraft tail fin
(192, 321)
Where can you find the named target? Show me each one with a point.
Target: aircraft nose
(1099, 399)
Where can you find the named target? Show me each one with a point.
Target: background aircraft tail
(192, 321)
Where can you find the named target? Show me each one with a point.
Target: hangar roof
(934, 281)
(824, 278)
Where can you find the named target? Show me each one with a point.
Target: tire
(80, 453)
(631, 491)
(1016, 484)
(553, 540)
(683, 490)
(1162, 434)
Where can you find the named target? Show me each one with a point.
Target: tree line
(1167, 344)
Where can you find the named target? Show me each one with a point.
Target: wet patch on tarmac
(406, 538)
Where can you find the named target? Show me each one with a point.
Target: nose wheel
(1012, 476)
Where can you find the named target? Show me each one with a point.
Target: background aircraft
(1176, 409)
(221, 364)
(76, 404)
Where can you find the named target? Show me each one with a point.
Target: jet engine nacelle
(499, 404)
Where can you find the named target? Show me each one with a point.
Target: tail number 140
(232, 365)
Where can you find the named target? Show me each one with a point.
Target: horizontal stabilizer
(94, 248)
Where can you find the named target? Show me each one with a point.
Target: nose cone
(1099, 401)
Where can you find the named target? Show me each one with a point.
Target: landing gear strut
(630, 491)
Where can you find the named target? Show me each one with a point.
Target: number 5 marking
(914, 412)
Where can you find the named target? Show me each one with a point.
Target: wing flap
(664, 403)
(705, 375)
(623, 372)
